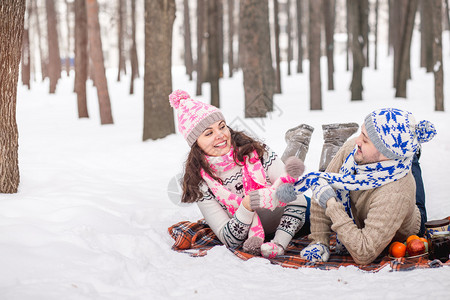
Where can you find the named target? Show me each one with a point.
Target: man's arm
(386, 214)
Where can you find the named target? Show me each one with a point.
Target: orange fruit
(397, 249)
(411, 237)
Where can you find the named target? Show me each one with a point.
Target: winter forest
(49, 39)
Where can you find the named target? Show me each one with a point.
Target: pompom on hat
(396, 134)
(193, 116)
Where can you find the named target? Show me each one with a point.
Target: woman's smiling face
(216, 139)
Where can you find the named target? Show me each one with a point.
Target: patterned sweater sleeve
(231, 231)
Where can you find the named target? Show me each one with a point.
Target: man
(368, 193)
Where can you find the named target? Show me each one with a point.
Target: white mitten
(316, 253)
(271, 250)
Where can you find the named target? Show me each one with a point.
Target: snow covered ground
(91, 215)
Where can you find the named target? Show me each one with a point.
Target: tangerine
(411, 237)
(397, 249)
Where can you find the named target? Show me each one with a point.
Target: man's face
(366, 152)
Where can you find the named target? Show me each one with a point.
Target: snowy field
(91, 216)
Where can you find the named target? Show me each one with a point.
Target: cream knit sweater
(381, 215)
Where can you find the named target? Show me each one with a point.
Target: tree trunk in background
(366, 29)
(375, 59)
(133, 50)
(213, 51)
(54, 61)
(26, 59)
(398, 21)
(315, 83)
(81, 57)
(120, 38)
(12, 17)
(328, 11)
(405, 49)
(200, 33)
(299, 37)
(289, 36)
(426, 36)
(437, 55)
(259, 76)
(69, 36)
(230, 37)
(357, 19)
(277, 47)
(188, 62)
(390, 27)
(158, 115)
(96, 53)
(220, 35)
(42, 56)
(349, 35)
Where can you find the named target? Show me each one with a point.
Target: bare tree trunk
(220, 35)
(230, 37)
(69, 37)
(299, 37)
(391, 26)
(96, 53)
(121, 38)
(426, 36)
(81, 57)
(437, 55)
(277, 47)
(213, 52)
(357, 20)
(376, 35)
(158, 115)
(133, 51)
(254, 39)
(188, 62)
(200, 33)
(328, 10)
(289, 36)
(12, 17)
(54, 64)
(398, 16)
(315, 83)
(43, 58)
(405, 47)
(26, 59)
(447, 15)
(349, 34)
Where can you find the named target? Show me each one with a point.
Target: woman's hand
(246, 203)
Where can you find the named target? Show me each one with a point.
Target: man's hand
(322, 192)
(316, 253)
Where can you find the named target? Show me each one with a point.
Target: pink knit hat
(193, 116)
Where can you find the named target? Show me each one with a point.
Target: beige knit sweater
(381, 215)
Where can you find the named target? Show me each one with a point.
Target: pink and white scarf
(254, 177)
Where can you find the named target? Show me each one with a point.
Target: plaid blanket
(196, 238)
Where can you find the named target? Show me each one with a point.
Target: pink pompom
(176, 97)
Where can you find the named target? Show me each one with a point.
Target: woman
(233, 178)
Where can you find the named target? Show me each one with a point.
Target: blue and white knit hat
(396, 134)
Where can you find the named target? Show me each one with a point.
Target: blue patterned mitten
(316, 253)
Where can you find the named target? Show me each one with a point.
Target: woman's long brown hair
(243, 145)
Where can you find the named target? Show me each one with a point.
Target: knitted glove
(271, 250)
(322, 192)
(316, 253)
